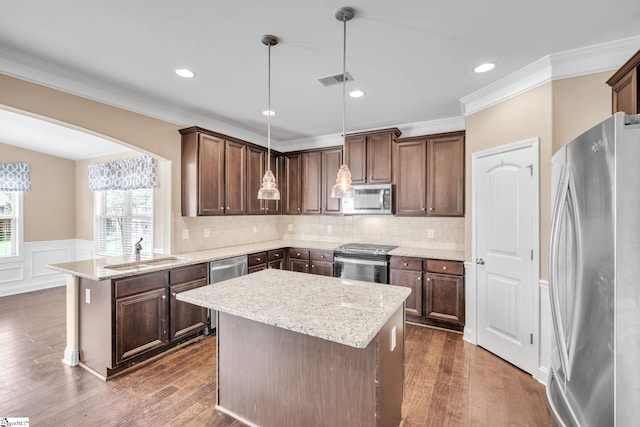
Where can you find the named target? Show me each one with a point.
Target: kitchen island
(297, 349)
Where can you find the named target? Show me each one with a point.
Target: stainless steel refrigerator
(594, 277)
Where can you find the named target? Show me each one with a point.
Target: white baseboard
(30, 273)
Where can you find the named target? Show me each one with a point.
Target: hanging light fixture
(343, 186)
(269, 189)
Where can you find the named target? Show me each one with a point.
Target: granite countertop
(348, 312)
(98, 268)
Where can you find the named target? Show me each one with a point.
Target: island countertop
(348, 312)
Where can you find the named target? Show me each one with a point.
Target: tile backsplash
(200, 233)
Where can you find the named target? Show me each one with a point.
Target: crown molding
(561, 65)
(34, 70)
(409, 129)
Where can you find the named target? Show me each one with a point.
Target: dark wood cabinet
(293, 184)
(299, 260)
(267, 259)
(369, 156)
(625, 91)
(312, 182)
(128, 320)
(321, 262)
(235, 164)
(331, 162)
(444, 292)
(202, 174)
(429, 175)
(407, 272)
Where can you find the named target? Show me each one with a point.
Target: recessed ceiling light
(187, 74)
(356, 94)
(483, 68)
(269, 113)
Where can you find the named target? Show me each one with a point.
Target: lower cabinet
(437, 290)
(299, 260)
(125, 321)
(267, 259)
(321, 263)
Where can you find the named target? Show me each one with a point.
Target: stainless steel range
(360, 261)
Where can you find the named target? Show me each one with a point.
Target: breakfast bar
(297, 349)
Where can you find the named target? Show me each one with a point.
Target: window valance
(14, 177)
(130, 174)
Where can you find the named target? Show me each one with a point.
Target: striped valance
(130, 174)
(14, 177)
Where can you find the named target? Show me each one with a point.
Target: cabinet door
(412, 280)
(293, 175)
(311, 182)
(379, 158)
(409, 177)
(235, 167)
(141, 323)
(255, 172)
(444, 298)
(210, 175)
(186, 318)
(331, 161)
(625, 93)
(321, 268)
(445, 182)
(356, 158)
(276, 264)
(299, 265)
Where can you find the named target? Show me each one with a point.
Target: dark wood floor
(448, 381)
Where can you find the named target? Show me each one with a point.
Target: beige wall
(49, 208)
(155, 136)
(556, 113)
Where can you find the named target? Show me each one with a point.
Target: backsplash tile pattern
(448, 233)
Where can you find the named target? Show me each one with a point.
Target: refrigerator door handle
(559, 207)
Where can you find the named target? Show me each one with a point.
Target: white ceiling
(414, 59)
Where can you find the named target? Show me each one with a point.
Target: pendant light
(343, 186)
(269, 189)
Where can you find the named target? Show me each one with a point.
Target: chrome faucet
(138, 248)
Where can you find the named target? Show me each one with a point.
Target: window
(10, 223)
(122, 218)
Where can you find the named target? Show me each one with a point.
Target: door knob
(479, 261)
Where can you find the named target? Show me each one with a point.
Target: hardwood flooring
(447, 381)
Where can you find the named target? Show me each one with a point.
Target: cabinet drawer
(316, 255)
(298, 253)
(445, 267)
(137, 284)
(406, 263)
(258, 258)
(276, 255)
(187, 274)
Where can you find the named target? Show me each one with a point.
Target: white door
(505, 208)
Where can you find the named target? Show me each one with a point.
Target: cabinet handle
(444, 267)
(428, 279)
(306, 266)
(298, 209)
(422, 209)
(405, 264)
(174, 294)
(419, 278)
(164, 297)
(430, 209)
(227, 207)
(321, 256)
(371, 177)
(221, 208)
(258, 259)
(277, 255)
(297, 254)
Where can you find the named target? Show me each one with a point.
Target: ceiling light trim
(560, 65)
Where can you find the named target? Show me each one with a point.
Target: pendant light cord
(269, 111)
(344, 82)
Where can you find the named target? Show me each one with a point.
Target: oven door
(361, 269)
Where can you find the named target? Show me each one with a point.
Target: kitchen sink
(143, 264)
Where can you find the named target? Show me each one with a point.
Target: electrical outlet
(430, 233)
(255, 228)
(207, 233)
(87, 296)
(185, 234)
(290, 227)
(329, 229)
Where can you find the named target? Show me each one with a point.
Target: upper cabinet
(624, 87)
(292, 188)
(222, 175)
(369, 155)
(429, 175)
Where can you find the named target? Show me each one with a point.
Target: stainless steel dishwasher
(220, 270)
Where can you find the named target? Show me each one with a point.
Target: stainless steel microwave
(369, 199)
